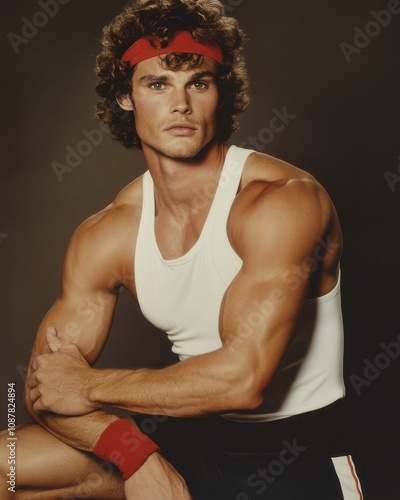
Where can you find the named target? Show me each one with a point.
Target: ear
(125, 102)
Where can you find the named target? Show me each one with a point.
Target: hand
(158, 480)
(57, 381)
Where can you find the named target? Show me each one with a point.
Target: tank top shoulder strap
(147, 216)
(231, 175)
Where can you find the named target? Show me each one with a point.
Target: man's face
(175, 111)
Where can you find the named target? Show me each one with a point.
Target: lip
(181, 128)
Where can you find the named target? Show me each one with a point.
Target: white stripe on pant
(349, 482)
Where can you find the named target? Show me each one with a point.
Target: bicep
(82, 320)
(261, 306)
(83, 312)
(257, 319)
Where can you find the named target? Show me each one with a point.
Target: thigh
(48, 468)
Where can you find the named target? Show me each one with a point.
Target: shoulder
(115, 219)
(102, 244)
(263, 167)
(269, 185)
(117, 214)
(279, 203)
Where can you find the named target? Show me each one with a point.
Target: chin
(182, 151)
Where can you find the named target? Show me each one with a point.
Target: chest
(183, 296)
(176, 235)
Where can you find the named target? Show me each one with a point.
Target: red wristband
(125, 446)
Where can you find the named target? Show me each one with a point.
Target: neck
(184, 185)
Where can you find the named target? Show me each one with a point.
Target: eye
(200, 85)
(156, 86)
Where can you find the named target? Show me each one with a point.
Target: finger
(37, 362)
(40, 362)
(53, 341)
(37, 406)
(32, 381)
(34, 395)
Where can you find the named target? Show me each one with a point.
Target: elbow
(247, 400)
(246, 395)
(255, 400)
(244, 383)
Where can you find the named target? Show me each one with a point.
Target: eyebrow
(152, 78)
(203, 74)
(164, 78)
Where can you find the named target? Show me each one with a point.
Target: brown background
(346, 133)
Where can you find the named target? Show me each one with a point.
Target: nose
(180, 103)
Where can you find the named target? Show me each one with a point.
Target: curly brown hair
(206, 20)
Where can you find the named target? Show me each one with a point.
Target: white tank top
(183, 298)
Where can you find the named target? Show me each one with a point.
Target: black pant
(287, 459)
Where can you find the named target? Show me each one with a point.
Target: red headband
(182, 42)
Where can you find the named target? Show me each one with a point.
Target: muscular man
(234, 254)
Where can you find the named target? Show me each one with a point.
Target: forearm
(206, 384)
(80, 432)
